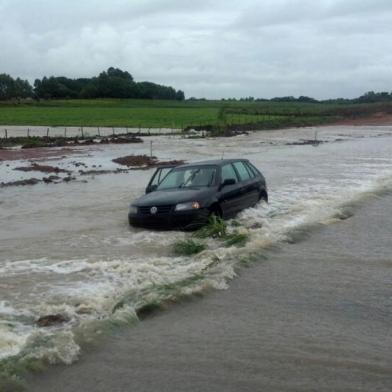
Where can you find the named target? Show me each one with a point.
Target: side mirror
(151, 188)
(228, 181)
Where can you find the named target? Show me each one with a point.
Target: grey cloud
(208, 48)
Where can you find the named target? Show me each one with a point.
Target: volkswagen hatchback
(183, 197)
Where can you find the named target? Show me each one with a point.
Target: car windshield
(188, 177)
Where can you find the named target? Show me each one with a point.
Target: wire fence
(82, 132)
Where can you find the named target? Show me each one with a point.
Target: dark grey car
(185, 196)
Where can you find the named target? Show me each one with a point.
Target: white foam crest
(43, 265)
(59, 347)
(11, 342)
(320, 207)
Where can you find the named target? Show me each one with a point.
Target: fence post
(28, 132)
(81, 130)
(150, 148)
(47, 132)
(113, 131)
(6, 133)
(99, 132)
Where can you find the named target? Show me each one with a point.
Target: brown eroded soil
(144, 161)
(42, 168)
(379, 118)
(35, 153)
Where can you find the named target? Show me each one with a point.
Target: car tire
(263, 196)
(216, 210)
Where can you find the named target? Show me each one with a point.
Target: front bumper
(185, 220)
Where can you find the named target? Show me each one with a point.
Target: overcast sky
(208, 48)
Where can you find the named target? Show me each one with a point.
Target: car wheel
(216, 210)
(263, 196)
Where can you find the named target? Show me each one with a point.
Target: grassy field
(174, 114)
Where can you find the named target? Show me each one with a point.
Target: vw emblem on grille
(153, 210)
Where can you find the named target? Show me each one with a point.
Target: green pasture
(170, 114)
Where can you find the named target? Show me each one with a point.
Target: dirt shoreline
(378, 119)
(36, 153)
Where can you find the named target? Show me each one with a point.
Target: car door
(229, 195)
(249, 189)
(258, 182)
(159, 174)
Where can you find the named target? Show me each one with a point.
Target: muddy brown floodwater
(311, 311)
(315, 316)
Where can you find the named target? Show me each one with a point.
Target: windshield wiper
(190, 178)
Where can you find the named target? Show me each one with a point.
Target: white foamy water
(67, 249)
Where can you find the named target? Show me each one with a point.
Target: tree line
(369, 97)
(113, 83)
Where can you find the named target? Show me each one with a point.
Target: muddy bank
(34, 181)
(47, 141)
(42, 168)
(144, 161)
(132, 162)
(35, 153)
(29, 181)
(375, 119)
(97, 172)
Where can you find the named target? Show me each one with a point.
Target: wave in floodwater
(104, 292)
(94, 293)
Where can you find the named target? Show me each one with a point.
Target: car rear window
(228, 172)
(242, 171)
(251, 169)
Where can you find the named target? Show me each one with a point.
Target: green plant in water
(235, 223)
(187, 247)
(235, 238)
(215, 228)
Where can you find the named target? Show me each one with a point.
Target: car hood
(173, 196)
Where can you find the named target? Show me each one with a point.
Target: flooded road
(315, 316)
(67, 248)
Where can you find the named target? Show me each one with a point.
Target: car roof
(212, 162)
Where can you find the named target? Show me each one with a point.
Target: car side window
(228, 172)
(251, 171)
(242, 171)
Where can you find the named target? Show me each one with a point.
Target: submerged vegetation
(236, 239)
(187, 247)
(215, 228)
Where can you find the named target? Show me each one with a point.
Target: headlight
(192, 205)
(132, 209)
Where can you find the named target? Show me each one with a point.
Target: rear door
(249, 188)
(159, 174)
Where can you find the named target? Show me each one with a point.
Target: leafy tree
(180, 96)
(117, 73)
(6, 86)
(10, 88)
(113, 83)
